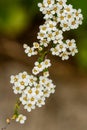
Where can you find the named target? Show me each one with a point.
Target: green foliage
(16, 15)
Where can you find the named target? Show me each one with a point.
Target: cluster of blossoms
(39, 67)
(34, 89)
(63, 14)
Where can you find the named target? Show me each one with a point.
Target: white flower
(65, 25)
(52, 90)
(51, 25)
(46, 63)
(22, 83)
(23, 76)
(48, 13)
(71, 44)
(43, 28)
(68, 8)
(44, 43)
(61, 47)
(39, 65)
(29, 92)
(61, 3)
(55, 51)
(14, 79)
(48, 3)
(46, 74)
(41, 6)
(55, 9)
(17, 89)
(24, 98)
(74, 51)
(35, 70)
(40, 102)
(29, 106)
(46, 93)
(30, 50)
(38, 92)
(58, 36)
(41, 35)
(32, 100)
(21, 118)
(32, 80)
(36, 45)
(64, 55)
(50, 36)
(42, 80)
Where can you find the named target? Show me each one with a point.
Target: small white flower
(30, 50)
(55, 51)
(71, 44)
(51, 25)
(43, 28)
(46, 63)
(41, 35)
(42, 80)
(40, 102)
(21, 118)
(50, 36)
(28, 92)
(41, 6)
(74, 51)
(36, 45)
(48, 14)
(35, 70)
(61, 47)
(48, 3)
(39, 66)
(64, 55)
(23, 75)
(44, 43)
(38, 92)
(32, 80)
(17, 89)
(14, 79)
(46, 93)
(46, 74)
(24, 99)
(22, 84)
(61, 3)
(29, 106)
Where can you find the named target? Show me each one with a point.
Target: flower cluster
(63, 14)
(49, 33)
(58, 14)
(59, 17)
(39, 67)
(35, 88)
(65, 49)
(30, 51)
(33, 91)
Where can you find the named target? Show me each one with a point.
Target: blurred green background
(18, 16)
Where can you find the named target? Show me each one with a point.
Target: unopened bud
(8, 121)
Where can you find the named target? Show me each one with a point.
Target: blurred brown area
(65, 110)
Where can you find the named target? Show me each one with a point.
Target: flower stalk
(34, 89)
